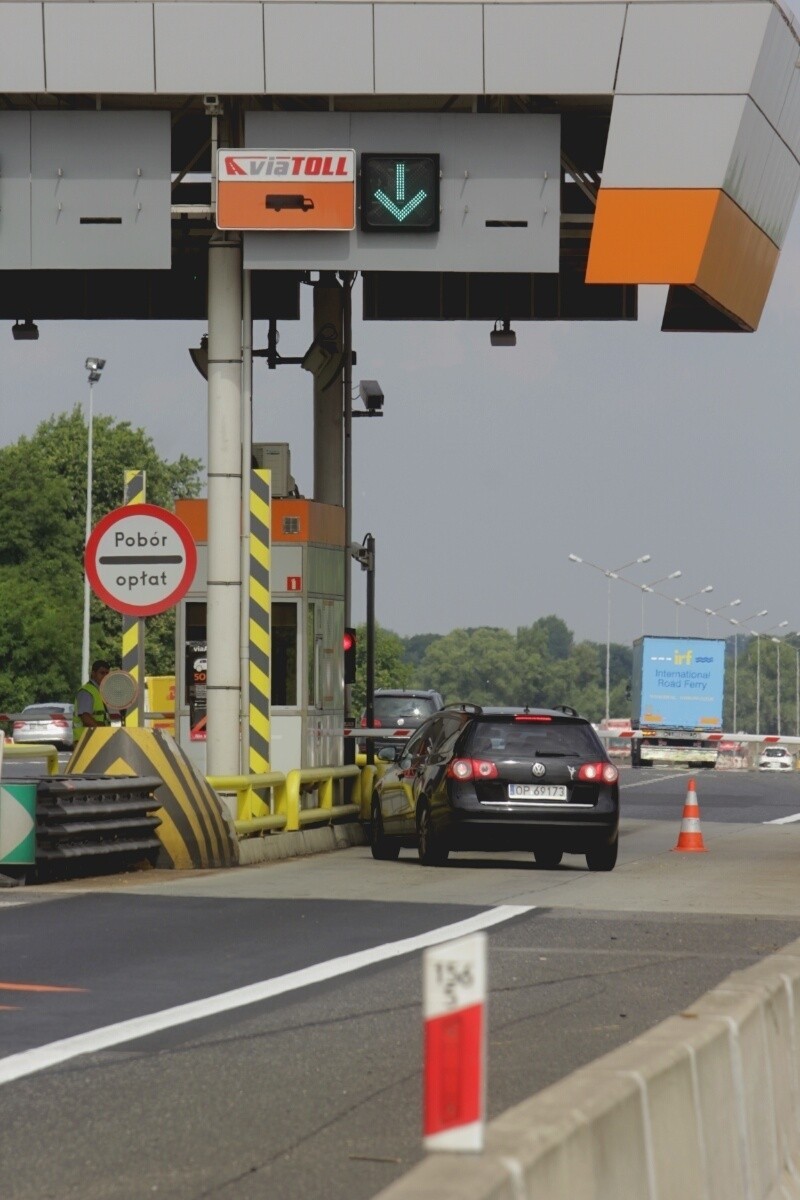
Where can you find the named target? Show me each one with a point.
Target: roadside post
(454, 1012)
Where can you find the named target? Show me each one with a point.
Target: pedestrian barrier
(705, 1106)
(690, 838)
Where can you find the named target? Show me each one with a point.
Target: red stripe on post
(453, 1069)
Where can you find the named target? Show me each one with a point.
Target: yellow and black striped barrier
(259, 634)
(194, 830)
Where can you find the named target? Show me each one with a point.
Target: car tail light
(18, 724)
(363, 722)
(598, 772)
(471, 768)
(59, 721)
(530, 717)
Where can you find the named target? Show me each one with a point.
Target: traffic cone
(690, 838)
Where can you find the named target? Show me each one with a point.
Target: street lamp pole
(714, 612)
(777, 642)
(680, 602)
(738, 624)
(650, 587)
(609, 574)
(757, 636)
(94, 366)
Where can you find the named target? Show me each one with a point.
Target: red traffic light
(349, 645)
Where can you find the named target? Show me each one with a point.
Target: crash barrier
(306, 796)
(30, 750)
(195, 830)
(89, 815)
(705, 1106)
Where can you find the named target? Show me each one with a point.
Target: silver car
(47, 723)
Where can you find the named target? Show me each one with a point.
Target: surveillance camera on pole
(371, 395)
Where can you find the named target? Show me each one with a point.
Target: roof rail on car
(567, 709)
(465, 706)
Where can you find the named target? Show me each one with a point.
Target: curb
(272, 847)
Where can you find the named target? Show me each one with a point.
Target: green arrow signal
(393, 206)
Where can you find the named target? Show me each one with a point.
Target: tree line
(542, 664)
(42, 529)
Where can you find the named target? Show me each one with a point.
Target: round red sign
(140, 560)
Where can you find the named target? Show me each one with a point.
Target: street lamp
(780, 625)
(714, 612)
(738, 625)
(680, 602)
(94, 366)
(609, 574)
(650, 587)
(757, 636)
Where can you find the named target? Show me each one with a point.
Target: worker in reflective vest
(90, 707)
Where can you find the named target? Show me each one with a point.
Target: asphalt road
(315, 1092)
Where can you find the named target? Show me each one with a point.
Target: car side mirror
(389, 753)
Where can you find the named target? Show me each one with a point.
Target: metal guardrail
(34, 750)
(285, 810)
(83, 816)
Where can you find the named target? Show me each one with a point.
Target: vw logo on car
(538, 768)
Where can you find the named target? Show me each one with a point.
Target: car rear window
(38, 712)
(390, 709)
(533, 739)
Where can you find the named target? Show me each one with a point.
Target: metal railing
(28, 750)
(283, 809)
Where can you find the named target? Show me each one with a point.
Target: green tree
(391, 671)
(42, 515)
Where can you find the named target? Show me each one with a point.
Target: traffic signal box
(399, 192)
(307, 662)
(349, 647)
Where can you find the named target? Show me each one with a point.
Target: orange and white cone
(690, 838)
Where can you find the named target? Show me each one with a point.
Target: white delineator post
(224, 503)
(454, 1010)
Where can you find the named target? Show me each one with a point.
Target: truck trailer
(677, 697)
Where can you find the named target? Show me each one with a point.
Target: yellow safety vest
(99, 710)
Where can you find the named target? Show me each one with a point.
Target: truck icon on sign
(280, 200)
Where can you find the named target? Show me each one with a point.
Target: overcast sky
(492, 465)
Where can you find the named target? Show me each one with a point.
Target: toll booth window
(311, 643)
(195, 621)
(284, 654)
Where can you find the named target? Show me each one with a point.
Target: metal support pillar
(328, 434)
(224, 502)
(244, 572)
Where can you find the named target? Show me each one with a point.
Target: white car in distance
(775, 758)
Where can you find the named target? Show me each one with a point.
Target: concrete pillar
(328, 431)
(224, 502)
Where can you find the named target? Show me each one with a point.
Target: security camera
(502, 334)
(212, 105)
(95, 364)
(371, 395)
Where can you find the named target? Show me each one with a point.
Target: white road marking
(652, 779)
(783, 820)
(28, 1062)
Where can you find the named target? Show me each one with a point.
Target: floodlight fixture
(502, 334)
(199, 356)
(25, 331)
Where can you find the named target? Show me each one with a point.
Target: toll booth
(307, 572)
